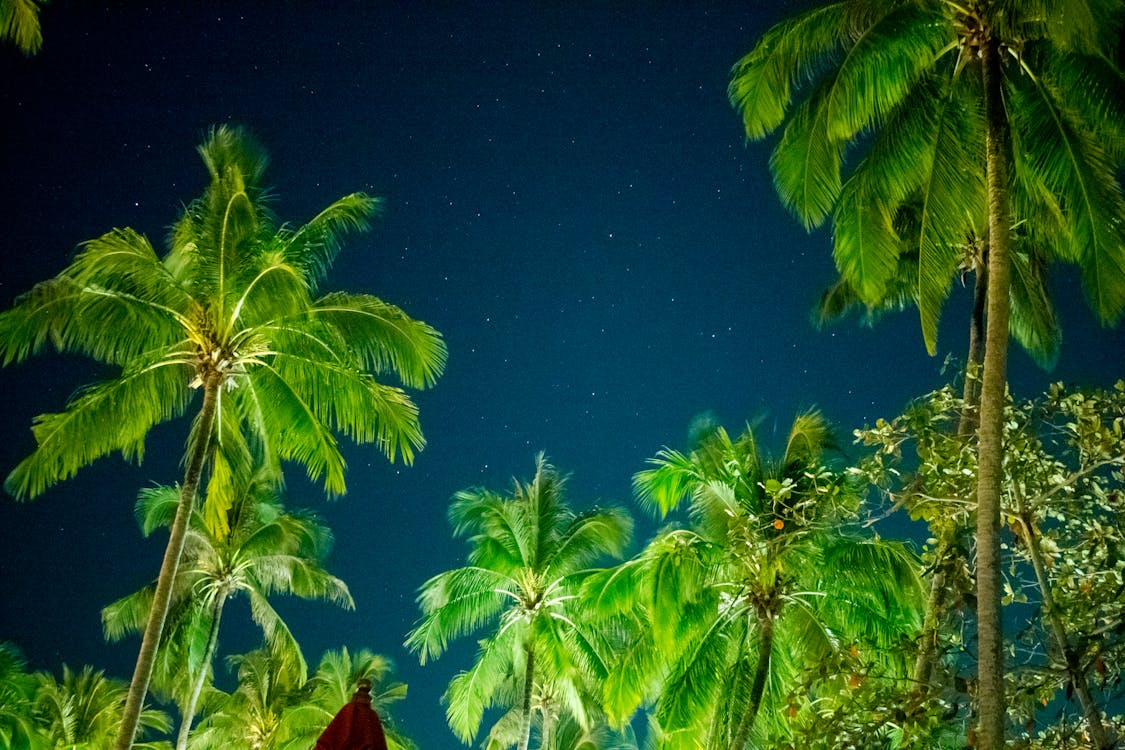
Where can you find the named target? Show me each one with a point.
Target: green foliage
(898, 83)
(83, 710)
(19, 24)
(266, 550)
(718, 620)
(1065, 552)
(233, 303)
(527, 557)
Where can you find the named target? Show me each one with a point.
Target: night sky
(570, 201)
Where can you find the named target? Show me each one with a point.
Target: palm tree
(84, 710)
(991, 114)
(231, 310)
(762, 582)
(17, 691)
(528, 553)
(255, 715)
(19, 23)
(266, 550)
(332, 686)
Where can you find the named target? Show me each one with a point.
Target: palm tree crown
(895, 76)
(760, 582)
(231, 310)
(528, 550)
(266, 551)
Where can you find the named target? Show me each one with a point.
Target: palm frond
(114, 415)
(1077, 169)
(313, 247)
(590, 536)
(1032, 321)
(454, 603)
(19, 23)
(668, 484)
(953, 180)
(384, 338)
(297, 432)
(882, 66)
(791, 53)
(806, 164)
(471, 692)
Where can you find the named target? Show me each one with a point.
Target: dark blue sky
(570, 200)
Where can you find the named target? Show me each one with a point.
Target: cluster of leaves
(273, 707)
(1064, 546)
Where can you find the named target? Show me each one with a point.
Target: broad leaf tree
(1063, 479)
(229, 325)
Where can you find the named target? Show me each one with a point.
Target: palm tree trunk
(545, 733)
(525, 709)
(205, 667)
(758, 688)
(990, 634)
(1074, 670)
(967, 425)
(154, 628)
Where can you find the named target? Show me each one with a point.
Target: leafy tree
(231, 311)
(528, 553)
(1063, 478)
(19, 23)
(762, 582)
(990, 115)
(265, 550)
(84, 710)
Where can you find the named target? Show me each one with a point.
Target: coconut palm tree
(19, 23)
(760, 583)
(265, 550)
(993, 114)
(332, 686)
(17, 691)
(528, 553)
(254, 716)
(84, 710)
(231, 312)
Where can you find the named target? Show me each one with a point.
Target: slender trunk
(971, 392)
(757, 689)
(146, 658)
(927, 646)
(525, 713)
(990, 634)
(205, 667)
(1074, 670)
(545, 735)
(967, 425)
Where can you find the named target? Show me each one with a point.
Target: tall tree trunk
(154, 628)
(1075, 673)
(927, 645)
(971, 392)
(525, 709)
(205, 667)
(545, 733)
(758, 688)
(966, 426)
(990, 634)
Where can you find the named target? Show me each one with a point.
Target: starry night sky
(570, 201)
